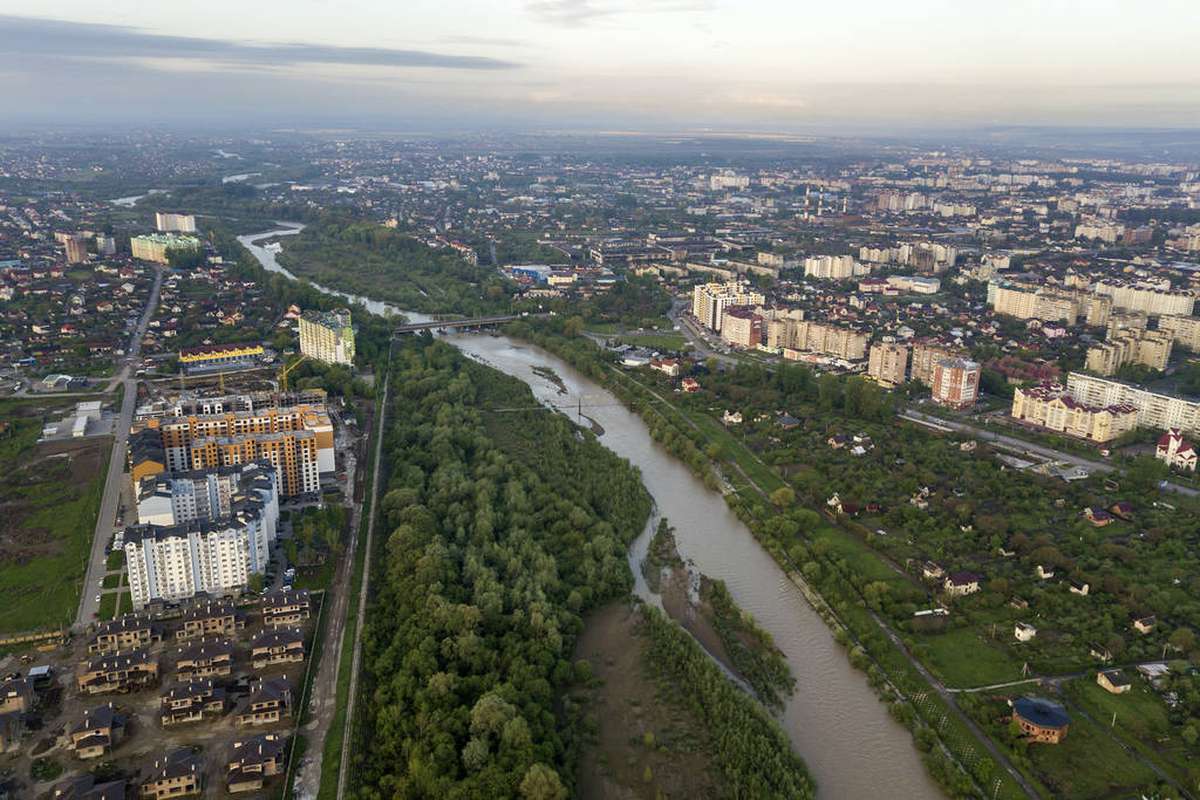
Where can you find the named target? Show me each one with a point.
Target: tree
(783, 497)
(1182, 640)
(573, 327)
(542, 783)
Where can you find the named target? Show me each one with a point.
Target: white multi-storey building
(327, 336)
(175, 223)
(176, 562)
(710, 300)
(1154, 410)
(207, 494)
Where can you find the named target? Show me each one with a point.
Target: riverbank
(842, 732)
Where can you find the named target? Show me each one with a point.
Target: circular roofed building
(1040, 719)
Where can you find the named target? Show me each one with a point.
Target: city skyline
(599, 65)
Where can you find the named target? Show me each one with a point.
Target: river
(853, 748)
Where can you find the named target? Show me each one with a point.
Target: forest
(370, 259)
(506, 529)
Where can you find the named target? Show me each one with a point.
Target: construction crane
(283, 373)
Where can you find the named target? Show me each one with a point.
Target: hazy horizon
(604, 65)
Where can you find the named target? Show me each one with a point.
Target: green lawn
(963, 658)
(1141, 721)
(656, 341)
(116, 560)
(1089, 764)
(108, 606)
(862, 560)
(112, 581)
(734, 449)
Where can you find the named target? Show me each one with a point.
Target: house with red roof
(1176, 451)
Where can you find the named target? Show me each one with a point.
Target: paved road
(88, 606)
(989, 435)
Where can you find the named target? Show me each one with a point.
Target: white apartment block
(833, 267)
(710, 300)
(1152, 301)
(327, 336)
(175, 223)
(208, 494)
(176, 562)
(1154, 410)
(1184, 331)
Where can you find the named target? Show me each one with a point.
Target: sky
(762, 65)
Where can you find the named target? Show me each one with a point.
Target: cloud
(36, 37)
(577, 13)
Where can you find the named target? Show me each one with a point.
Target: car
(98, 598)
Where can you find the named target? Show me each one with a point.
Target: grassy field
(49, 498)
(1141, 721)
(963, 659)
(1089, 764)
(656, 341)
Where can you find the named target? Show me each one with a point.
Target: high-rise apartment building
(1151, 300)
(297, 440)
(177, 561)
(1148, 348)
(156, 246)
(77, 251)
(888, 363)
(833, 267)
(327, 336)
(175, 223)
(1158, 411)
(710, 300)
(794, 336)
(1184, 331)
(1028, 302)
(207, 494)
(1050, 406)
(293, 454)
(925, 357)
(742, 327)
(955, 382)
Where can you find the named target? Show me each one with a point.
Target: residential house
(1042, 572)
(270, 701)
(690, 385)
(128, 632)
(278, 646)
(126, 671)
(206, 658)
(16, 696)
(667, 366)
(1041, 720)
(1122, 510)
(191, 702)
(281, 609)
(1144, 625)
(1098, 516)
(1175, 451)
(731, 417)
(1099, 652)
(179, 773)
(84, 787)
(251, 761)
(1024, 632)
(959, 584)
(1079, 587)
(1114, 681)
(97, 733)
(932, 571)
(210, 618)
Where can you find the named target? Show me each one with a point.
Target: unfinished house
(279, 646)
(270, 701)
(191, 702)
(119, 672)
